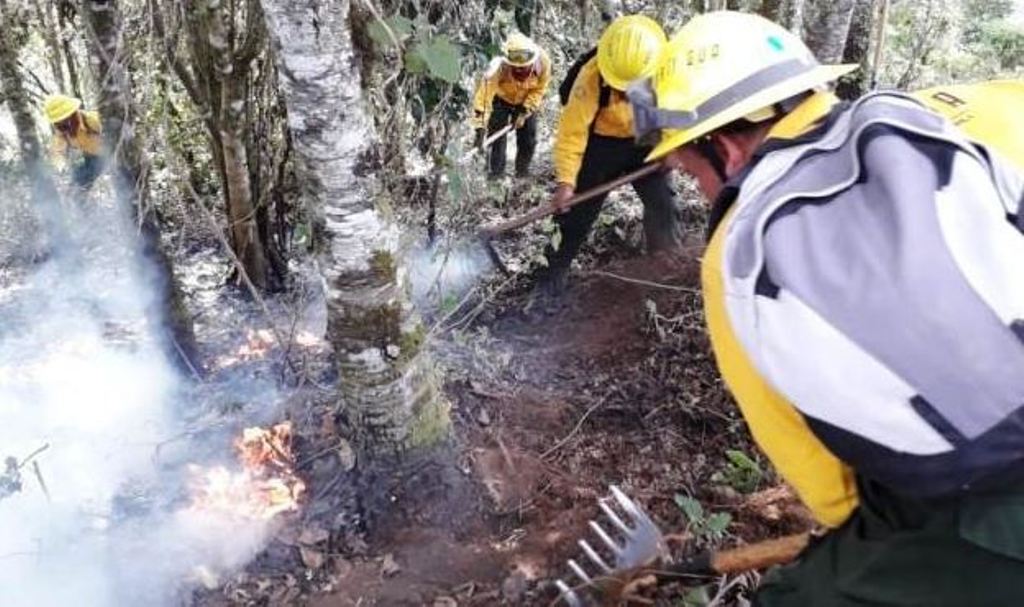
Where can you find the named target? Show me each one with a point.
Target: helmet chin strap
(706, 148)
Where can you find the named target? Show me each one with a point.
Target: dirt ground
(616, 386)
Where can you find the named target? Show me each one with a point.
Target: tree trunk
(43, 188)
(826, 28)
(388, 388)
(245, 238)
(65, 22)
(858, 45)
(793, 19)
(48, 31)
(131, 175)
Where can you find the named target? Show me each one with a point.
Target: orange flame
(267, 484)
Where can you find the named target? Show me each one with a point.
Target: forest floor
(615, 386)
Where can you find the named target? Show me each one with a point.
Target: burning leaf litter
(265, 487)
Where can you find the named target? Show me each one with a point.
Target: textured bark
(214, 66)
(44, 191)
(387, 389)
(131, 172)
(858, 45)
(245, 239)
(48, 31)
(65, 20)
(827, 26)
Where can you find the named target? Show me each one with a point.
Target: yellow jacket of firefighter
(88, 139)
(583, 113)
(498, 82)
(826, 484)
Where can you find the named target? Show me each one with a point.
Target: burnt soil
(613, 385)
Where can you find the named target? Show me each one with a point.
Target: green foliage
(705, 526)
(437, 57)
(696, 597)
(400, 27)
(740, 472)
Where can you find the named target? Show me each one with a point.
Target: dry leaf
(389, 566)
(314, 559)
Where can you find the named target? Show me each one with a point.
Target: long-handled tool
(641, 551)
(488, 232)
(487, 142)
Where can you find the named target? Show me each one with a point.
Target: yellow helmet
(629, 49)
(60, 107)
(519, 51)
(720, 67)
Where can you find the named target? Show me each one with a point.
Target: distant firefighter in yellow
(77, 138)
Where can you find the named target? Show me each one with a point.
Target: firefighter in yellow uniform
(595, 144)
(77, 138)
(510, 92)
(865, 304)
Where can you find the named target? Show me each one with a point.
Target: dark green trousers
(964, 551)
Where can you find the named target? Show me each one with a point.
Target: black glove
(478, 138)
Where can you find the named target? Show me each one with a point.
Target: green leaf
(717, 523)
(414, 63)
(400, 26)
(691, 508)
(441, 58)
(697, 597)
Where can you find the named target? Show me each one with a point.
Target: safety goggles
(649, 120)
(520, 56)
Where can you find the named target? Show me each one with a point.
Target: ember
(266, 486)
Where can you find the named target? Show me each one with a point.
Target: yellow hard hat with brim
(721, 67)
(629, 49)
(519, 50)
(60, 107)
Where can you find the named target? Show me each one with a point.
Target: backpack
(565, 88)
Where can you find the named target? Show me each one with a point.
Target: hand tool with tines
(641, 551)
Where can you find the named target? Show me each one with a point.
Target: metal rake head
(640, 544)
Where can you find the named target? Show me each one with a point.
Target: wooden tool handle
(760, 555)
(487, 142)
(745, 558)
(545, 210)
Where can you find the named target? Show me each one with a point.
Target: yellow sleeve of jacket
(574, 123)
(483, 97)
(824, 483)
(535, 98)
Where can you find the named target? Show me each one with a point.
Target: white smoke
(82, 371)
(442, 274)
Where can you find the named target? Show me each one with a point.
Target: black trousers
(605, 159)
(86, 171)
(502, 114)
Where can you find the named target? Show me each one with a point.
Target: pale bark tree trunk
(103, 21)
(793, 18)
(858, 45)
(215, 78)
(388, 388)
(65, 22)
(241, 213)
(826, 28)
(32, 155)
(48, 30)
